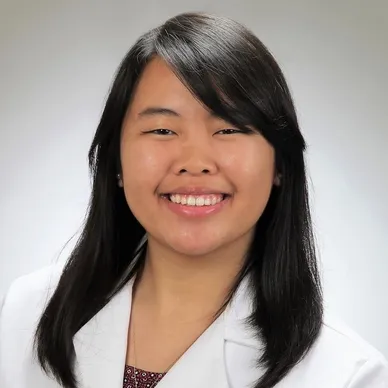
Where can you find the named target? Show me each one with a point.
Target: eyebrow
(158, 110)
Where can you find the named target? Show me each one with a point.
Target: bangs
(220, 65)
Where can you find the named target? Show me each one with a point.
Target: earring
(277, 180)
(119, 180)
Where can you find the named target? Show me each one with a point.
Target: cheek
(251, 168)
(143, 167)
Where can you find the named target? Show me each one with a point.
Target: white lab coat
(223, 357)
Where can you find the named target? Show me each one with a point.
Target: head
(210, 123)
(199, 113)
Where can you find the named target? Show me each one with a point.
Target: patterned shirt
(143, 379)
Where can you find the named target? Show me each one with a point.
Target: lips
(195, 190)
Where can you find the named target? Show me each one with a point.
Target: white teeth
(196, 200)
(200, 201)
(191, 200)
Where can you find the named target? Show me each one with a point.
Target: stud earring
(119, 180)
(277, 180)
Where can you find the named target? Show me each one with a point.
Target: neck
(186, 286)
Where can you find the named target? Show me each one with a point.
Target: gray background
(57, 59)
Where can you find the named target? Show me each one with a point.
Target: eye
(231, 131)
(160, 131)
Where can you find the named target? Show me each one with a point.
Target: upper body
(225, 356)
(200, 194)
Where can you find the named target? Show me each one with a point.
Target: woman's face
(195, 182)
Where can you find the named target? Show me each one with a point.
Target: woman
(196, 266)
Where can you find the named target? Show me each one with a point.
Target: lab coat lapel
(203, 363)
(101, 344)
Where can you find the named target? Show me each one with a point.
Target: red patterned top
(139, 378)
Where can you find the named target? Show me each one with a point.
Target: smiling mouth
(195, 200)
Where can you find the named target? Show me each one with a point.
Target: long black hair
(233, 74)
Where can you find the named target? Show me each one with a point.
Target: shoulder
(20, 312)
(341, 356)
(28, 294)
(337, 332)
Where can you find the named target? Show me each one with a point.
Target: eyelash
(227, 131)
(159, 131)
(231, 131)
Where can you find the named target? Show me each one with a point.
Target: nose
(195, 160)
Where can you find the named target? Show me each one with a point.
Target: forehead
(159, 86)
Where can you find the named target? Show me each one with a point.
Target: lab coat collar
(101, 345)
(237, 313)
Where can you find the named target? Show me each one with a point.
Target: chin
(195, 248)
